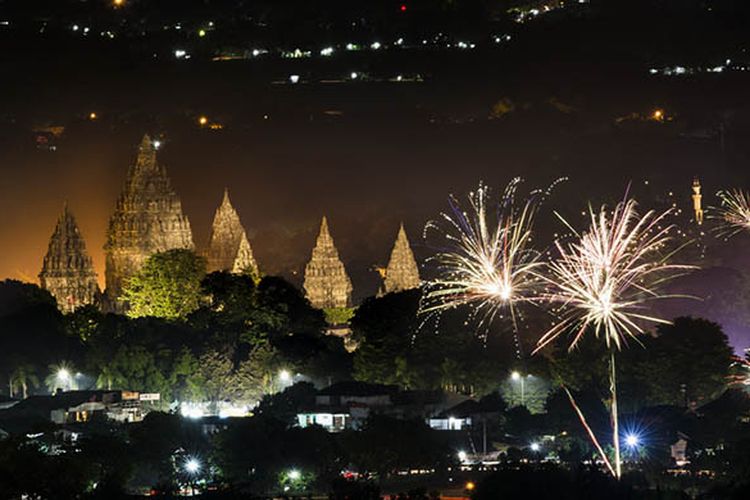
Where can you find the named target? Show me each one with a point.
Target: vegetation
(167, 286)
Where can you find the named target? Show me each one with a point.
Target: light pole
(516, 377)
(192, 467)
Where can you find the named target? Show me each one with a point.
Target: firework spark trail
(604, 280)
(487, 260)
(734, 212)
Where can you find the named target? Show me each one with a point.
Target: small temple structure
(67, 271)
(402, 272)
(148, 219)
(327, 285)
(228, 247)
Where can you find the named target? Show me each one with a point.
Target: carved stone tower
(326, 283)
(68, 272)
(697, 201)
(402, 272)
(228, 246)
(148, 219)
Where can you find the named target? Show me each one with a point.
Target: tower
(67, 271)
(697, 201)
(148, 219)
(402, 272)
(326, 283)
(228, 246)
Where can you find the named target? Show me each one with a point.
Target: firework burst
(605, 279)
(603, 282)
(734, 212)
(486, 259)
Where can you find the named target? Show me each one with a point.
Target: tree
(168, 286)
(23, 375)
(687, 362)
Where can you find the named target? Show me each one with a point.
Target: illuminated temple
(402, 272)
(327, 285)
(67, 271)
(148, 219)
(228, 247)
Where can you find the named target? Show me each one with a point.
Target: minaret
(148, 219)
(227, 241)
(402, 272)
(697, 201)
(68, 272)
(326, 283)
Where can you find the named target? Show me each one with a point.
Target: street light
(516, 377)
(632, 440)
(285, 376)
(294, 474)
(192, 466)
(535, 447)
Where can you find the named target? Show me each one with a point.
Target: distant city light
(118, 3)
(470, 486)
(202, 121)
(403, 7)
(180, 54)
(535, 447)
(327, 51)
(354, 75)
(93, 116)
(201, 33)
(462, 456)
(294, 78)
(157, 144)
(375, 45)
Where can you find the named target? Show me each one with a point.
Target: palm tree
(24, 375)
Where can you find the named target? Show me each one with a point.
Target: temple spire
(228, 246)
(402, 272)
(67, 271)
(148, 219)
(327, 285)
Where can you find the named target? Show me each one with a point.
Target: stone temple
(402, 272)
(326, 283)
(148, 219)
(228, 247)
(68, 272)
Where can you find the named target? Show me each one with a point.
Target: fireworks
(734, 212)
(604, 280)
(486, 259)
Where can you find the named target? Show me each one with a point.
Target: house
(347, 405)
(75, 407)
(464, 415)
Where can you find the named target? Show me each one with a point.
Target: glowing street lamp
(285, 377)
(192, 466)
(294, 475)
(535, 447)
(632, 441)
(202, 121)
(462, 456)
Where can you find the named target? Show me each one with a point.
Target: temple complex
(148, 219)
(402, 272)
(68, 272)
(327, 285)
(228, 247)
